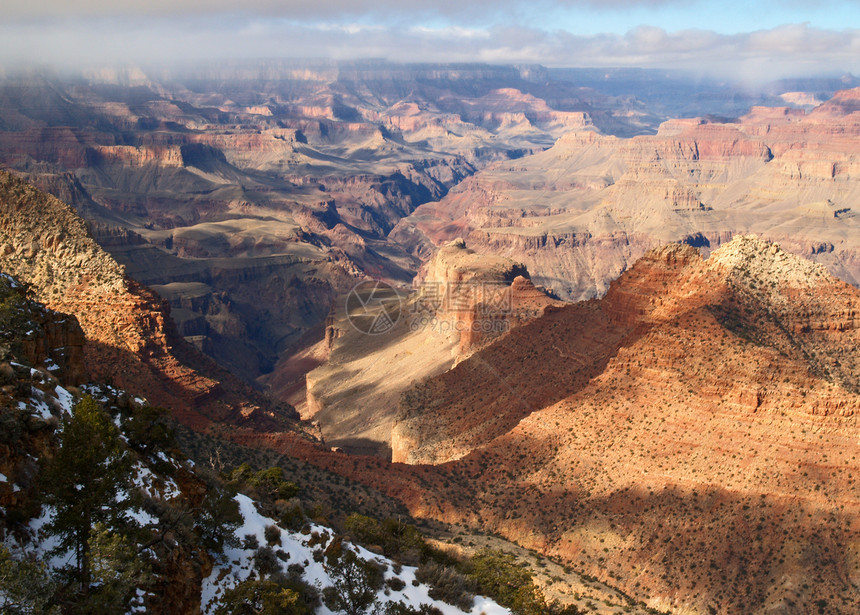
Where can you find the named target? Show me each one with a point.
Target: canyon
(581, 212)
(690, 437)
(251, 196)
(477, 296)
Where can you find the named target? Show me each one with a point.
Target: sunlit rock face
(580, 213)
(251, 195)
(701, 415)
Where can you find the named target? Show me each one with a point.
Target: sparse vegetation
(355, 581)
(255, 596)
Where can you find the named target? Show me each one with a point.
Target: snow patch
(39, 407)
(237, 564)
(155, 486)
(142, 517)
(65, 399)
(44, 543)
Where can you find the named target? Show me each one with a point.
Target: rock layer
(267, 187)
(130, 341)
(704, 455)
(580, 213)
(462, 302)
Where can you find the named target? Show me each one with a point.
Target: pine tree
(355, 582)
(87, 482)
(262, 596)
(25, 586)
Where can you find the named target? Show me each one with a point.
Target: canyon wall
(130, 340)
(461, 302)
(252, 195)
(691, 437)
(580, 213)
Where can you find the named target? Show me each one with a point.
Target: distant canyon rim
(252, 196)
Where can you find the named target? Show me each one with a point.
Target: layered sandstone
(285, 182)
(580, 213)
(462, 302)
(130, 341)
(703, 456)
(253, 197)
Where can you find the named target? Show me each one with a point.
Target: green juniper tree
(498, 575)
(25, 586)
(87, 483)
(262, 596)
(355, 582)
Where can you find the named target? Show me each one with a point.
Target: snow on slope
(295, 545)
(237, 563)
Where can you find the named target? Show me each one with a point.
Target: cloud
(297, 9)
(788, 50)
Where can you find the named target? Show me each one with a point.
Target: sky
(756, 40)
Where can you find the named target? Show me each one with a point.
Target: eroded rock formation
(580, 213)
(462, 302)
(691, 436)
(250, 196)
(130, 341)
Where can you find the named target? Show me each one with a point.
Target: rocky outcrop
(130, 341)
(693, 420)
(40, 337)
(475, 298)
(429, 428)
(462, 302)
(56, 342)
(580, 213)
(579, 265)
